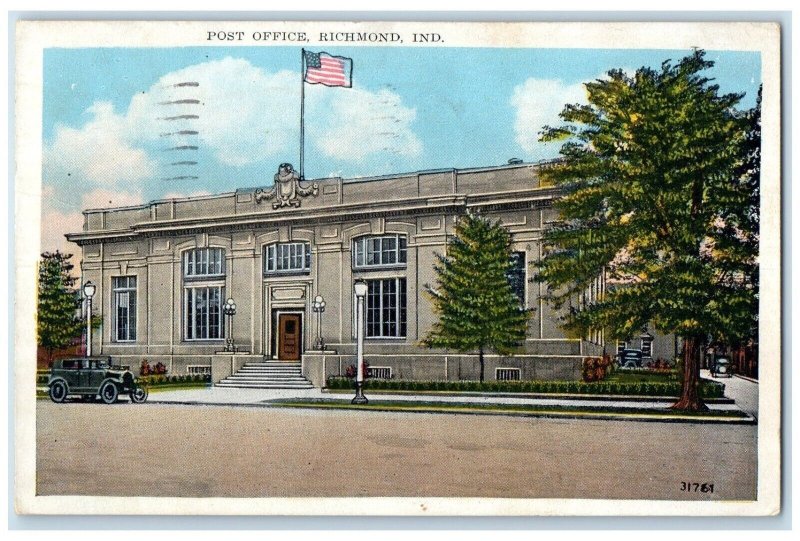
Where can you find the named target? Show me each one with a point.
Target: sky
(109, 141)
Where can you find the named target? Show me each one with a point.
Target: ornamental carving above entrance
(287, 190)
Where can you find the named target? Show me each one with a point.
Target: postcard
(397, 268)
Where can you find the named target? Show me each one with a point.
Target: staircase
(268, 375)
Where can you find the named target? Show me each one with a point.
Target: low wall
(319, 366)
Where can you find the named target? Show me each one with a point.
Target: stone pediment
(287, 190)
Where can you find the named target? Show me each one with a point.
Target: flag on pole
(328, 70)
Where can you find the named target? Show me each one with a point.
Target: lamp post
(88, 291)
(360, 288)
(229, 310)
(318, 306)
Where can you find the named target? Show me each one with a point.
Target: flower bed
(188, 379)
(708, 389)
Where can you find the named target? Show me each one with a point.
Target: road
(203, 451)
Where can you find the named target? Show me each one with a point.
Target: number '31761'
(687, 486)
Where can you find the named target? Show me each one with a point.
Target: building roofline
(352, 180)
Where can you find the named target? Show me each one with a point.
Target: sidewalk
(267, 397)
(744, 392)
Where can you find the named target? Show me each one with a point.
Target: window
(202, 262)
(507, 374)
(204, 319)
(647, 346)
(124, 298)
(384, 251)
(287, 258)
(379, 372)
(516, 276)
(621, 346)
(385, 308)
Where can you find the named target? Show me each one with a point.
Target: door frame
(274, 319)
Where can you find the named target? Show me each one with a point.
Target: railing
(379, 372)
(198, 369)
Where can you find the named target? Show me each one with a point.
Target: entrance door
(289, 337)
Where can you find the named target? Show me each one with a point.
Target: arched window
(379, 251)
(287, 258)
(203, 294)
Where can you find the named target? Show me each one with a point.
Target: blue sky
(409, 109)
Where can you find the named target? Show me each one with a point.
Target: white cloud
(183, 195)
(54, 225)
(105, 198)
(538, 103)
(100, 152)
(363, 123)
(245, 113)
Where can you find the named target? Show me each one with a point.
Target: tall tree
(477, 307)
(58, 322)
(651, 177)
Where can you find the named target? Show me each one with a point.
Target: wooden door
(290, 337)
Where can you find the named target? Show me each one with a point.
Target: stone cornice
(454, 204)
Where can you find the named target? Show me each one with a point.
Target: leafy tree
(477, 307)
(58, 323)
(654, 195)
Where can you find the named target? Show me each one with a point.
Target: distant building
(165, 269)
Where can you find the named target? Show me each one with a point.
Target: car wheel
(109, 393)
(58, 392)
(139, 395)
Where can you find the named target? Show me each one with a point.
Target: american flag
(328, 70)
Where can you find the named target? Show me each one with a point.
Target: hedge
(708, 389)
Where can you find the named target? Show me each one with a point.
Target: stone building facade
(165, 269)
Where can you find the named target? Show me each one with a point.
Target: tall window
(647, 346)
(124, 297)
(621, 346)
(383, 251)
(204, 317)
(290, 257)
(204, 294)
(202, 262)
(516, 276)
(386, 308)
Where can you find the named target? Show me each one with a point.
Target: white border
(33, 37)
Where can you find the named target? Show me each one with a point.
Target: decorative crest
(287, 189)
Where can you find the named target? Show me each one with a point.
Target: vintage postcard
(351, 268)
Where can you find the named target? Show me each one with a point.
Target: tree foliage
(477, 307)
(58, 322)
(657, 194)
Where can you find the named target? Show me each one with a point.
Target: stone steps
(268, 375)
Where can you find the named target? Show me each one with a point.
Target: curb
(586, 415)
(552, 396)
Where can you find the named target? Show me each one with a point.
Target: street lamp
(88, 291)
(229, 310)
(360, 288)
(318, 306)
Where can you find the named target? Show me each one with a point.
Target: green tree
(477, 307)
(653, 193)
(58, 322)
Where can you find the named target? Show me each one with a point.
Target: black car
(89, 377)
(722, 368)
(630, 358)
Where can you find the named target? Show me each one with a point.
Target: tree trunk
(480, 359)
(690, 395)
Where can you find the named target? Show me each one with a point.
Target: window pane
(402, 303)
(389, 250)
(401, 256)
(516, 275)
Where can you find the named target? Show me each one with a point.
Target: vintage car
(89, 377)
(722, 368)
(630, 358)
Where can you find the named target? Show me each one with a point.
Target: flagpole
(302, 107)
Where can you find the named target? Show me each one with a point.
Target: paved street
(744, 392)
(201, 451)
